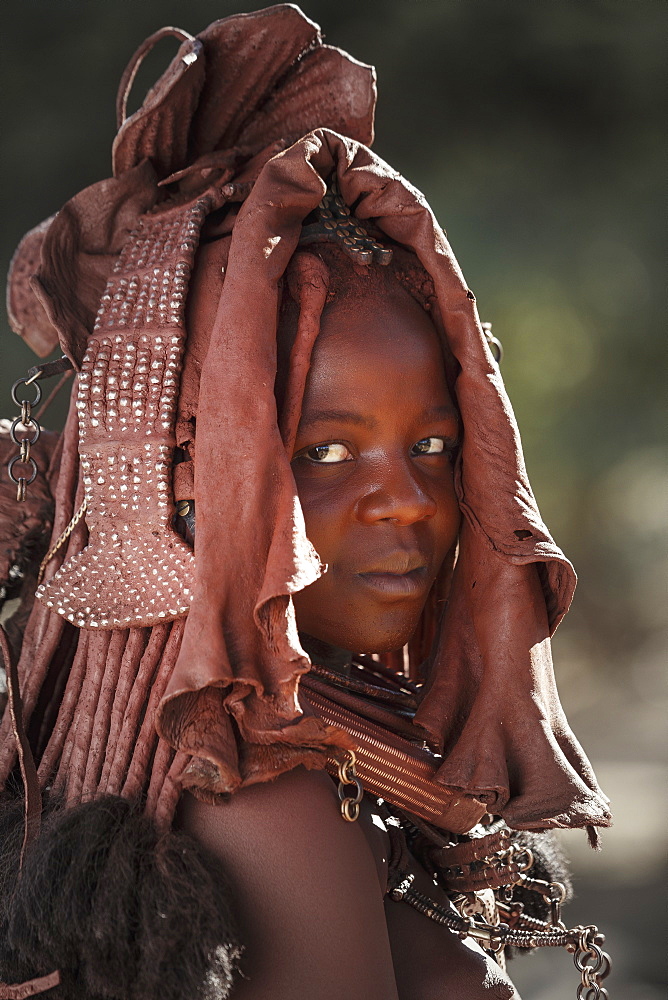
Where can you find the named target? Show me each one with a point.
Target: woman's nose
(395, 494)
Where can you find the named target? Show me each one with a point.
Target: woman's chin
(376, 637)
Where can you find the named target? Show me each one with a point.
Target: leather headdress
(257, 112)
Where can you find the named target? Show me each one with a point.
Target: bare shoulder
(306, 889)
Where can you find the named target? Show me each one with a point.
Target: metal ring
(530, 859)
(582, 963)
(497, 941)
(36, 387)
(346, 773)
(18, 441)
(10, 470)
(591, 992)
(346, 768)
(354, 799)
(350, 810)
(496, 347)
(607, 965)
(557, 892)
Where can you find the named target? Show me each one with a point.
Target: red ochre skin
(309, 888)
(383, 518)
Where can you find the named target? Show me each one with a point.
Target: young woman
(373, 464)
(279, 361)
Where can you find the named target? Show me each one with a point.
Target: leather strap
(130, 71)
(31, 988)
(389, 765)
(32, 796)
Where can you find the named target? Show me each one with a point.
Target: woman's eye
(327, 454)
(428, 446)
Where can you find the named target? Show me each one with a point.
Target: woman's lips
(397, 584)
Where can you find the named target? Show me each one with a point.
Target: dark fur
(124, 912)
(550, 865)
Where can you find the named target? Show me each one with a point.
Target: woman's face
(373, 467)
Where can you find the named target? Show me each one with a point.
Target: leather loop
(469, 852)
(31, 988)
(132, 68)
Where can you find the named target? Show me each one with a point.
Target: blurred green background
(535, 130)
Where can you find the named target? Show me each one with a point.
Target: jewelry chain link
(59, 541)
(347, 773)
(24, 443)
(590, 960)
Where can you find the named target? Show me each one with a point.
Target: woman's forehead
(375, 346)
(383, 322)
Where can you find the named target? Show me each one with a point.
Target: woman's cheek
(324, 514)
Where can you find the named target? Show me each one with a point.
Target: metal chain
(27, 420)
(592, 963)
(61, 538)
(24, 443)
(347, 773)
(590, 960)
(515, 929)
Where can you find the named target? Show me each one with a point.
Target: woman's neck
(325, 654)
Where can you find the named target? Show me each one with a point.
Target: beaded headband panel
(135, 570)
(333, 222)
